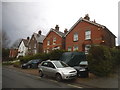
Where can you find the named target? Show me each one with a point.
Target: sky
(21, 18)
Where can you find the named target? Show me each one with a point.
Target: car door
(44, 68)
(51, 69)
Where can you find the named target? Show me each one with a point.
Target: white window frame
(87, 34)
(54, 41)
(48, 42)
(75, 48)
(87, 47)
(69, 48)
(75, 37)
(35, 45)
(35, 51)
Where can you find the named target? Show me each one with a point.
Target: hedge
(53, 55)
(102, 60)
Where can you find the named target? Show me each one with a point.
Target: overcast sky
(23, 18)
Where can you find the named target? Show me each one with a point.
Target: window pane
(75, 48)
(87, 47)
(88, 34)
(69, 49)
(75, 37)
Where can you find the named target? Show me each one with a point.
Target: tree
(16, 43)
(5, 46)
(5, 40)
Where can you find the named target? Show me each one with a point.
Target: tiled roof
(91, 22)
(39, 37)
(59, 32)
(25, 41)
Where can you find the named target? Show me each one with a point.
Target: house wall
(34, 47)
(96, 36)
(22, 50)
(108, 38)
(59, 42)
(13, 53)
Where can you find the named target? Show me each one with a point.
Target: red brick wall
(80, 28)
(50, 36)
(13, 53)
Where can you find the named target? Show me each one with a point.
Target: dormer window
(87, 34)
(75, 37)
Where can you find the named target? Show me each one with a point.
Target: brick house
(23, 47)
(35, 45)
(14, 49)
(85, 33)
(13, 52)
(54, 40)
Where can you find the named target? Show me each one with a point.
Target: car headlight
(83, 69)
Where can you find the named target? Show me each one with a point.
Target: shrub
(17, 64)
(56, 54)
(25, 59)
(115, 53)
(100, 60)
(7, 63)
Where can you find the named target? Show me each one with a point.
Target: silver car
(57, 69)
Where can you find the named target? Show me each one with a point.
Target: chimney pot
(39, 32)
(57, 27)
(65, 31)
(94, 21)
(87, 17)
(28, 38)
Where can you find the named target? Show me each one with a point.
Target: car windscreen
(60, 64)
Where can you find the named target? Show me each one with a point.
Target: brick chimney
(94, 21)
(57, 27)
(39, 32)
(65, 31)
(28, 38)
(87, 17)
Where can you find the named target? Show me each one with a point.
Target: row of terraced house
(79, 37)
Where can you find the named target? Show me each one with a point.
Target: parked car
(31, 64)
(82, 69)
(57, 69)
(78, 61)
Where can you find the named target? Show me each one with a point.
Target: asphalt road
(15, 79)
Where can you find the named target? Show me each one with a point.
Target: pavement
(91, 81)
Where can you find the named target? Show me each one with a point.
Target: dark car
(31, 64)
(78, 61)
(82, 69)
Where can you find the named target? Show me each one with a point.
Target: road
(15, 79)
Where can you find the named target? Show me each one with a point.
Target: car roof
(53, 60)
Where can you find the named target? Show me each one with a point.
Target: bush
(7, 63)
(17, 64)
(25, 59)
(100, 60)
(115, 53)
(53, 55)
(56, 54)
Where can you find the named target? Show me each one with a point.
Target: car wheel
(58, 77)
(40, 73)
(28, 66)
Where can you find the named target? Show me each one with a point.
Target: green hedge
(17, 64)
(102, 60)
(55, 54)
